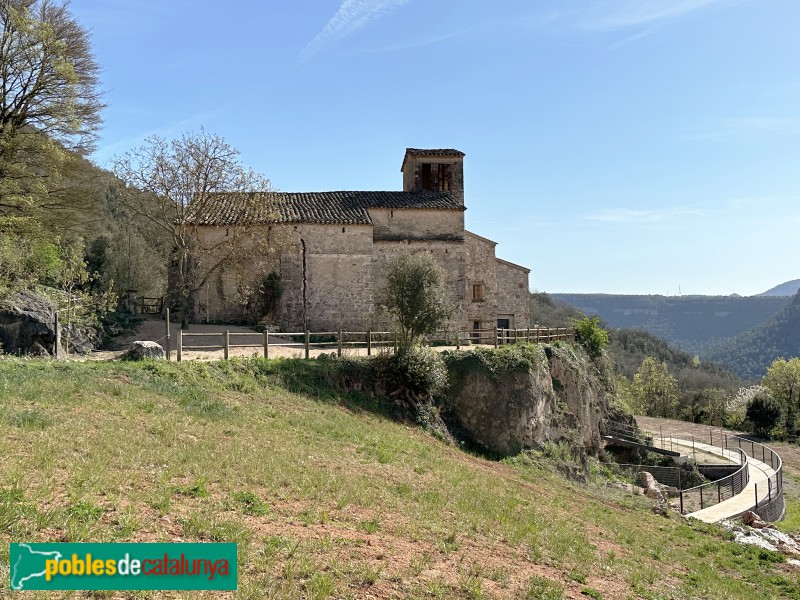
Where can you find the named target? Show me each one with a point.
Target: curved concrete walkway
(759, 474)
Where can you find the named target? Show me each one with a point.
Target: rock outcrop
(511, 399)
(27, 327)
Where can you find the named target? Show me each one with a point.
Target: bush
(418, 369)
(764, 413)
(590, 335)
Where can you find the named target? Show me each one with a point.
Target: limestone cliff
(514, 398)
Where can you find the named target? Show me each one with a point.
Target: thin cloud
(633, 13)
(625, 215)
(747, 128)
(351, 16)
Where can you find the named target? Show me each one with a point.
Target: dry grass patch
(328, 496)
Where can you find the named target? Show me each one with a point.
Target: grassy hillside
(692, 323)
(328, 495)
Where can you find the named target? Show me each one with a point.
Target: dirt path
(280, 347)
(789, 453)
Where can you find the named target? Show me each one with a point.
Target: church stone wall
(417, 224)
(448, 255)
(334, 276)
(327, 275)
(513, 296)
(481, 271)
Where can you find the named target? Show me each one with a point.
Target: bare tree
(195, 190)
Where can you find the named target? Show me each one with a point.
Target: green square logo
(125, 566)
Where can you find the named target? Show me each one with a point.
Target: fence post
(179, 349)
(57, 346)
(166, 327)
(701, 498)
(497, 338)
(711, 433)
(369, 342)
(266, 343)
(769, 490)
(339, 344)
(458, 339)
(516, 332)
(681, 501)
(307, 341)
(719, 493)
(226, 344)
(755, 485)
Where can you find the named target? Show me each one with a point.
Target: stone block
(141, 350)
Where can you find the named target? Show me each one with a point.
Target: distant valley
(744, 334)
(695, 324)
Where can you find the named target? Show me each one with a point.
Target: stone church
(334, 248)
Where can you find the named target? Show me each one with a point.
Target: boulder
(141, 350)
(751, 519)
(651, 486)
(27, 327)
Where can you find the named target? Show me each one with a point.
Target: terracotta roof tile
(434, 152)
(343, 208)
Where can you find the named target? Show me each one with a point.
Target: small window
(477, 292)
(342, 229)
(476, 324)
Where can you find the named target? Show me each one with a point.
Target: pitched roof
(342, 208)
(430, 152)
(434, 152)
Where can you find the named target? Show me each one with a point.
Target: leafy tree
(783, 382)
(710, 405)
(590, 335)
(28, 255)
(50, 103)
(738, 403)
(654, 390)
(174, 184)
(765, 413)
(417, 296)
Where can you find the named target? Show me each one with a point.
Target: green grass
(328, 495)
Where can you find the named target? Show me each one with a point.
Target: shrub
(419, 369)
(590, 335)
(764, 412)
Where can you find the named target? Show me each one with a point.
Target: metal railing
(708, 494)
(673, 476)
(743, 449)
(735, 450)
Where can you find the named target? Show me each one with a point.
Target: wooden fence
(341, 340)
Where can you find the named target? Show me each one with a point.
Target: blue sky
(618, 146)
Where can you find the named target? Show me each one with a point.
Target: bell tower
(438, 170)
